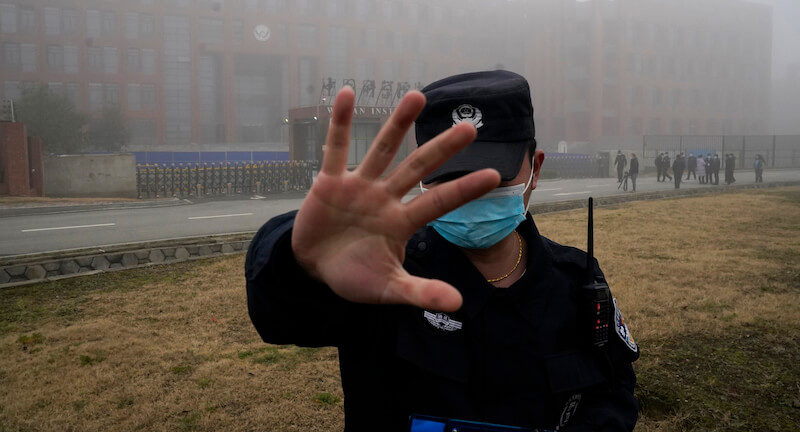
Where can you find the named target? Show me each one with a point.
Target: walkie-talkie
(596, 297)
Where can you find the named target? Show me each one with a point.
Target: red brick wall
(14, 159)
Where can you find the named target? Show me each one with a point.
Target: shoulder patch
(622, 329)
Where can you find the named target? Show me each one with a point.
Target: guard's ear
(537, 160)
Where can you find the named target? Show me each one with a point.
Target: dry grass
(709, 286)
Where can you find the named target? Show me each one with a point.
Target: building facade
(252, 74)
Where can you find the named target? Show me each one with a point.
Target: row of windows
(140, 97)
(64, 59)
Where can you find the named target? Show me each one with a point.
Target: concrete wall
(111, 176)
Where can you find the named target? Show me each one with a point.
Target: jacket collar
(447, 262)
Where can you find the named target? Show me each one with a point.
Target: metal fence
(230, 178)
(780, 151)
(188, 158)
(571, 165)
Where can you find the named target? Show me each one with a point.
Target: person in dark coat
(730, 164)
(691, 166)
(452, 304)
(633, 171)
(620, 162)
(758, 167)
(665, 167)
(715, 166)
(677, 169)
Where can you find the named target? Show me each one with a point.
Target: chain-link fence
(230, 178)
(779, 151)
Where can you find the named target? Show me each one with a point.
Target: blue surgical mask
(482, 223)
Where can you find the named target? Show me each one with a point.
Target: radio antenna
(590, 244)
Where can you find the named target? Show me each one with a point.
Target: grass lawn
(709, 285)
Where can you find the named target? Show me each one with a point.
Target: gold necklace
(519, 258)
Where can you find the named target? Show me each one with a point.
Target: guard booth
(308, 126)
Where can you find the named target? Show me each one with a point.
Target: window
(148, 96)
(148, 60)
(94, 59)
(134, 97)
(110, 95)
(132, 63)
(11, 56)
(28, 57)
(147, 26)
(109, 23)
(132, 25)
(238, 31)
(141, 96)
(93, 23)
(95, 96)
(27, 20)
(110, 60)
(69, 21)
(55, 58)
(71, 59)
(71, 92)
(8, 18)
(52, 21)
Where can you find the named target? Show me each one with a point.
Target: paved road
(106, 225)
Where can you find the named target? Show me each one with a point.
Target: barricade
(224, 178)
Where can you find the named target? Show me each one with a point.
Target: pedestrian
(677, 169)
(733, 168)
(758, 166)
(715, 165)
(665, 167)
(730, 163)
(701, 169)
(475, 316)
(620, 162)
(633, 171)
(691, 166)
(659, 166)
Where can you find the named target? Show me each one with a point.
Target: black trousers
(678, 177)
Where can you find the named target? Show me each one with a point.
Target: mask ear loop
(530, 178)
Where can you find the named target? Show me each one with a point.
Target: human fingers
(448, 196)
(430, 294)
(428, 157)
(334, 159)
(384, 147)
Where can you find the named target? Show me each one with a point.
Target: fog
(226, 73)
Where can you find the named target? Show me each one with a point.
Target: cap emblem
(468, 113)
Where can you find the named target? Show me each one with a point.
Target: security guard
(452, 304)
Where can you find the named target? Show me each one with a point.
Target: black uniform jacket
(511, 356)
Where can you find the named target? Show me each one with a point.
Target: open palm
(352, 228)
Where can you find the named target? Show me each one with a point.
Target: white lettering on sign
(368, 111)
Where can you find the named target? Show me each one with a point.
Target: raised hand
(352, 228)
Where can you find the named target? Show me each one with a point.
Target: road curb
(29, 269)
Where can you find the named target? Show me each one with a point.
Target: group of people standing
(704, 169)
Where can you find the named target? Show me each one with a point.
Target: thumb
(425, 293)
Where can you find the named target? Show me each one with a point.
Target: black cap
(497, 103)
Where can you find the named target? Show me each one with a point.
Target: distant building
(252, 74)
